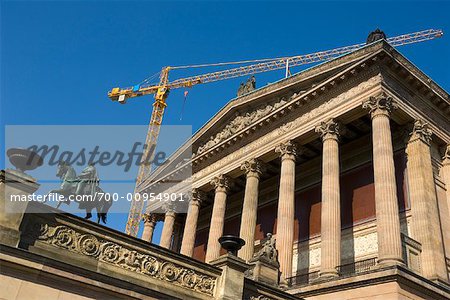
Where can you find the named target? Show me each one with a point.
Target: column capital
(420, 132)
(380, 105)
(253, 167)
(197, 197)
(222, 183)
(446, 157)
(169, 208)
(329, 130)
(151, 218)
(287, 150)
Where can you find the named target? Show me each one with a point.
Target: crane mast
(162, 90)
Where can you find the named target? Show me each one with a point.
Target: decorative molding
(221, 183)
(329, 130)
(380, 105)
(421, 132)
(253, 167)
(67, 238)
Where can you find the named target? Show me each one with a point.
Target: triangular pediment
(248, 113)
(244, 110)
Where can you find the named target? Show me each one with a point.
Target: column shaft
(445, 173)
(190, 228)
(216, 227)
(218, 217)
(388, 220)
(286, 207)
(167, 231)
(425, 227)
(149, 227)
(330, 210)
(248, 219)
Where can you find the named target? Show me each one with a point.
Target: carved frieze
(126, 258)
(239, 122)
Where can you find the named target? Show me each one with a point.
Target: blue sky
(59, 59)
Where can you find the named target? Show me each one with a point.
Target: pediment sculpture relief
(240, 122)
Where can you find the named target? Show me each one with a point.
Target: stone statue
(246, 88)
(375, 36)
(241, 88)
(87, 186)
(268, 250)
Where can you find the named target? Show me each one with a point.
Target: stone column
(149, 226)
(190, 228)
(388, 220)
(222, 186)
(445, 173)
(253, 169)
(286, 206)
(331, 208)
(167, 231)
(425, 225)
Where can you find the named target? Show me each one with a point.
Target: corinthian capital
(287, 149)
(169, 208)
(253, 167)
(421, 132)
(329, 130)
(151, 218)
(380, 105)
(221, 183)
(197, 197)
(446, 157)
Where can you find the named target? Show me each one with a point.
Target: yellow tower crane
(161, 91)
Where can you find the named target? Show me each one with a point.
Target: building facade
(347, 164)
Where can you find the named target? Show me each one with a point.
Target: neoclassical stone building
(347, 164)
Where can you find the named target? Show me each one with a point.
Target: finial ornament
(329, 130)
(287, 149)
(221, 183)
(380, 105)
(253, 167)
(421, 131)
